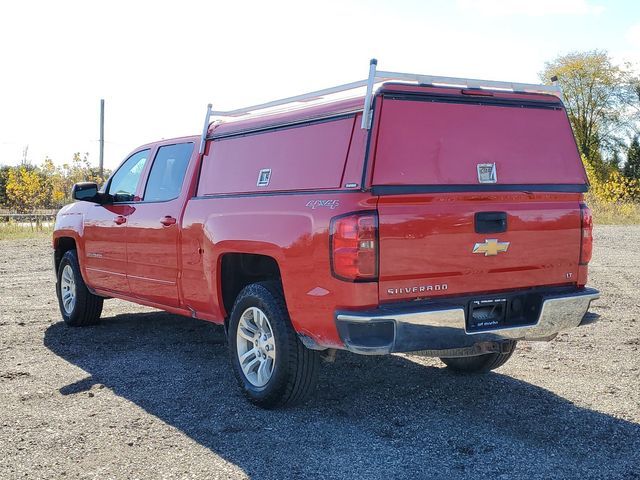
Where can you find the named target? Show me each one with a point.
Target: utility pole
(25, 151)
(101, 137)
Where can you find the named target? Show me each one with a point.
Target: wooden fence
(37, 218)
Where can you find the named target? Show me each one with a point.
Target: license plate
(486, 314)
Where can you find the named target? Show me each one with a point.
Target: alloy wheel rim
(68, 289)
(256, 347)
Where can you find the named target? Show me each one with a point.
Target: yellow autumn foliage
(613, 198)
(24, 189)
(612, 186)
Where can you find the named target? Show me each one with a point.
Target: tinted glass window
(125, 180)
(167, 172)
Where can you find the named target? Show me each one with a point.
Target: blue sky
(158, 64)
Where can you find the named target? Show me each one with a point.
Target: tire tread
(301, 363)
(481, 363)
(88, 305)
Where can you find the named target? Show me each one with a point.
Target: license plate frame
(486, 314)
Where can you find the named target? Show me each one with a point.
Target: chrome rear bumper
(441, 330)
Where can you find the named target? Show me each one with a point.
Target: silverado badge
(490, 247)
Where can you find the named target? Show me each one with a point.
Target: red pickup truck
(433, 215)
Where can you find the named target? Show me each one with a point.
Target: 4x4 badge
(487, 173)
(491, 247)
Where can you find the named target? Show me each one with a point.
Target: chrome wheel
(68, 289)
(256, 346)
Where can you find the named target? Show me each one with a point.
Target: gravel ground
(150, 395)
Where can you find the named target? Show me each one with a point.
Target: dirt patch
(146, 394)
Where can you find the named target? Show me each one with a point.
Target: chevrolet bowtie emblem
(490, 247)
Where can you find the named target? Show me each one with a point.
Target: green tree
(632, 167)
(599, 97)
(4, 176)
(614, 161)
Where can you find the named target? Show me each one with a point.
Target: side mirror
(86, 191)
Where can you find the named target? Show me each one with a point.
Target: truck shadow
(373, 417)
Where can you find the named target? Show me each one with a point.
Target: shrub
(611, 186)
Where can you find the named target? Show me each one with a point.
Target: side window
(124, 182)
(167, 172)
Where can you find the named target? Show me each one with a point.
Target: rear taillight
(586, 234)
(354, 247)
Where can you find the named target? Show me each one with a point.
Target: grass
(20, 231)
(615, 213)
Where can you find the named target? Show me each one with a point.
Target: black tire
(88, 307)
(295, 368)
(481, 363)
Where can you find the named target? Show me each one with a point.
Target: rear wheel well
(238, 270)
(63, 245)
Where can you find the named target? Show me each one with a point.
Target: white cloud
(535, 8)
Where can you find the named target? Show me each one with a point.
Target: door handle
(167, 221)
(119, 220)
(491, 222)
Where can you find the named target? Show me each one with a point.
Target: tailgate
(477, 195)
(427, 243)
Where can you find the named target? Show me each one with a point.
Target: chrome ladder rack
(377, 76)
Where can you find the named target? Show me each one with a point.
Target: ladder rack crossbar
(305, 97)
